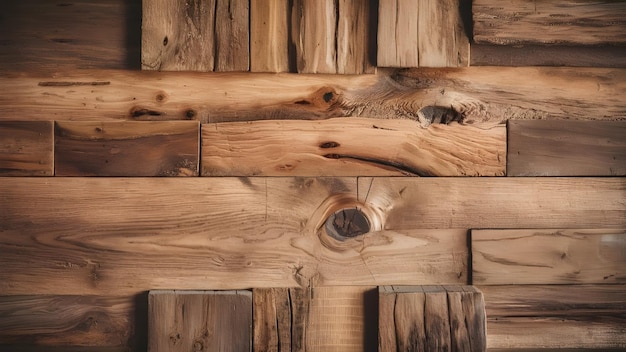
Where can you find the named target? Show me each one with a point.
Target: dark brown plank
(232, 35)
(566, 148)
(26, 148)
(148, 148)
(279, 319)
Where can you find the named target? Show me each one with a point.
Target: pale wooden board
(442, 39)
(26, 148)
(232, 35)
(566, 148)
(280, 319)
(314, 35)
(535, 256)
(147, 148)
(556, 316)
(351, 147)
(356, 36)
(398, 33)
(199, 321)
(269, 35)
(549, 22)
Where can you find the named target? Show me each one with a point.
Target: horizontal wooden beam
(26, 148)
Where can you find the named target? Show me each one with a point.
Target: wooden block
(26, 148)
(269, 35)
(566, 148)
(442, 39)
(280, 319)
(199, 321)
(314, 34)
(398, 33)
(556, 316)
(351, 147)
(356, 37)
(502, 257)
(232, 38)
(549, 22)
(164, 148)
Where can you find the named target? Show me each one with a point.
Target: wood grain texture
(566, 148)
(351, 147)
(315, 35)
(556, 316)
(549, 22)
(199, 321)
(442, 39)
(232, 35)
(474, 95)
(356, 43)
(269, 35)
(280, 316)
(148, 148)
(549, 256)
(26, 148)
(398, 33)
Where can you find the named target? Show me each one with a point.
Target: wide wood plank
(556, 316)
(199, 321)
(26, 148)
(474, 95)
(351, 147)
(549, 22)
(398, 33)
(442, 37)
(269, 35)
(566, 148)
(147, 148)
(548, 256)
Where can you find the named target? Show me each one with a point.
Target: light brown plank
(566, 148)
(442, 39)
(199, 321)
(398, 33)
(279, 319)
(26, 148)
(549, 22)
(475, 95)
(148, 148)
(269, 35)
(314, 34)
(549, 256)
(356, 43)
(351, 147)
(232, 35)
(556, 316)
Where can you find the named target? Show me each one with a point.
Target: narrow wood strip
(149, 148)
(269, 35)
(548, 256)
(356, 37)
(26, 148)
(398, 33)
(315, 35)
(279, 319)
(351, 147)
(567, 148)
(232, 35)
(442, 37)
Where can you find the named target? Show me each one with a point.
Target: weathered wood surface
(351, 147)
(556, 316)
(548, 55)
(269, 35)
(43, 321)
(442, 37)
(199, 321)
(280, 319)
(147, 148)
(550, 22)
(566, 148)
(398, 33)
(356, 37)
(232, 35)
(26, 148)
(549, 256)
(478, 95)
(314, 28)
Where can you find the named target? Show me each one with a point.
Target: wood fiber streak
(475, 95)
(26, 148)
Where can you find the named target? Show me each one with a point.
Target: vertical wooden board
(26, 148)
(411, 329)
(232, 35)
(436, 319)
(355, 36)
(442, 39)
(269, 35)
(279, 319)
(178, 35)
(473, 304)
(386, 319)
(199, 321)
(398, 33)
(315, 35)
(163, 148)
(550, 256)
(566, 148)
(459, 336)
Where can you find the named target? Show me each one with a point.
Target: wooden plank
(147, 148)
(356, 37)
(26, 148)
(549, 22)
(549, 256)
(49, 320)
(232, 37)
(269, 35)
(398, 33)
(474, 95)
(280, 319)
(351, 147)
(314, 34)
(442, 39)
(199, 321)
(556, 316)
(566, 148)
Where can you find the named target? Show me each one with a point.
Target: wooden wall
(116, 181)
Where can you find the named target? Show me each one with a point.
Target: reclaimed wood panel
(566, 148)
(442, 39)
(26, 148)
(199, 321)
(548, 256)
(147, 148)
(232, 35)
(280, 319)
(356, 37)
(572, 22)
(556, 316)
(474, 95)
(351, 147)
(314, 35)
(269, 35)
(398, 33)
